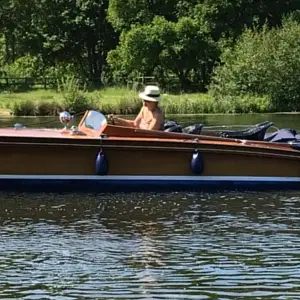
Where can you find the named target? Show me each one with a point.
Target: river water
(150, 246)
(233, 245)
(280, 120)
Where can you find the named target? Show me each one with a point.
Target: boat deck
(52, 133)
(39, 132)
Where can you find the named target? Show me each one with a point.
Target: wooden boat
(102, 157)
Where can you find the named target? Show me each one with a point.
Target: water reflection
(280, 120)
(115, 212)
(150, 246)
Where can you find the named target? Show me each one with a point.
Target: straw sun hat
(151, 93)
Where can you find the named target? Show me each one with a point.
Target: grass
(119, 100)
(49, 102)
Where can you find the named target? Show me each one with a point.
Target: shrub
(75, 97)
(264, 63)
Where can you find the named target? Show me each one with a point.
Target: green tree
(263, 62)
(125, 13)
(229, 18)
(164, 49)
(60, 31)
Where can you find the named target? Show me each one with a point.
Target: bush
(32, 108)
(264, 63)
(24, 67)
(76, 99)
(243, 104)
(25, 108)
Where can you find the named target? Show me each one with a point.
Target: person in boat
(150, 117)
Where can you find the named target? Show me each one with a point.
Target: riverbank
(123, 101)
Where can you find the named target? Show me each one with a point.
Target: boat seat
(282, 136)
(255, 133)
(173, 126)
(193, 129)
(169, 123)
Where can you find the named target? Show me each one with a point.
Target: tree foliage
(263, 62)
(172, 40)
(60, 31)
(165, 49)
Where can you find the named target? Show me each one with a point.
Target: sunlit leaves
(178, 48)
(263, 62)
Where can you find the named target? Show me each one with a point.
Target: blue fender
(197, 164)
(101, 164)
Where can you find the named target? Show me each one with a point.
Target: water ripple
(150, 246)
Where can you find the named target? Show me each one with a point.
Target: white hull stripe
(151, 178)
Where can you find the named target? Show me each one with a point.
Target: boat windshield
(93, 123)
(95, 120)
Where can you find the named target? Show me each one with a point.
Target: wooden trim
(147, 142)
(127, 132)
(161, 148)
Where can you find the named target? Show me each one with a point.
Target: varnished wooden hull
(145, 162)
(141, 157)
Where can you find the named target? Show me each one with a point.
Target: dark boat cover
(255, 132)
(282, 136)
